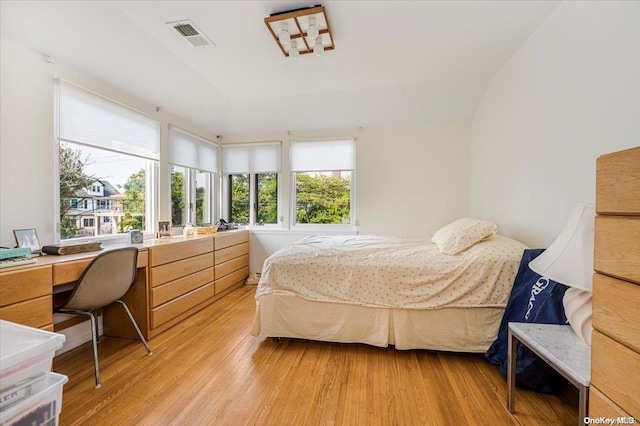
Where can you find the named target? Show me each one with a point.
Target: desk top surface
(557, 344)
(50, 259)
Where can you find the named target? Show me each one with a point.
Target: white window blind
(90, 119)
(263, 157)
(191, 151)
(323, 155)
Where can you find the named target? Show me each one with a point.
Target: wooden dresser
(615, 349)
(25, 297)
(176, 277)
(184, 275)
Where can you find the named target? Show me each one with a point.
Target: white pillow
(462, 234)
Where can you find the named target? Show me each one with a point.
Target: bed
(446, 293)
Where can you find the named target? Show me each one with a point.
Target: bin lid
(19, 343)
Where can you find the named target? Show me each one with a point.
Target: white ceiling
(395, 62)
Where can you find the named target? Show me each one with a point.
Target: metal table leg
(511, 372)
(584, 403)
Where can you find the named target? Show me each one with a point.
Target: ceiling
(395, 63)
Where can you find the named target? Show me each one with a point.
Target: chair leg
(94, 338)
(97, 331)
(94, 335)
(135, 325)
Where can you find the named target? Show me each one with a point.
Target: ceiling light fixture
(308, 27)
(293, 50)
(318, 49)
(312, 29)
(284, 36)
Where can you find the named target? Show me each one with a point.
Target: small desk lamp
(569, 261)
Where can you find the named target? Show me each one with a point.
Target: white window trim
(252, 185)
(325, 228)
(328, 227)
(151, 202)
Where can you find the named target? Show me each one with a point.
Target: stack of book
(72, 248)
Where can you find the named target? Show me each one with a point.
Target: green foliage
(239, 198)
(267, 198)
(134, 203)
(200, 192)
(322, 199)
(72, 180)
(177, 197)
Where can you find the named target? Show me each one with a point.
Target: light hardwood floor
(210, 370)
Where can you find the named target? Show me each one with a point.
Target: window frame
(190, 201)
(151, 162)
(151, 199)
(326, 227)
(190, 152)
(226, 190)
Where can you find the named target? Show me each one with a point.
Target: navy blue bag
(533, 299)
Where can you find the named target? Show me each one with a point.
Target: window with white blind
(251, 175)
(322, 182)
(193, 168)
(107, 164)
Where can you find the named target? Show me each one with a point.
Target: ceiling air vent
(191, 33)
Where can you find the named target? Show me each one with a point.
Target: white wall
(569, 94)
(27, 146)
(410, 181)
(27, 138)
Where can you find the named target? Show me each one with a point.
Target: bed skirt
(448, 329)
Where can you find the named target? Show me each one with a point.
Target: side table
(558, 346)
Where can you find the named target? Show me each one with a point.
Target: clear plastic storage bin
(25, 353)
(42, 408)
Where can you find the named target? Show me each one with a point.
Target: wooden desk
(176, 277)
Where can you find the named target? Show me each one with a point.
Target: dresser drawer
(617, 247)
(171, 290)
(143, 259)
(233, 265)
(601, 406)
(24, 284)
(172, 271)
(232, 252)
(231, 279)
(159, 255)
(34, 312)
(172, 309)
(618, 183)
(615, 304)
(224, 240)
(614, 371)
(68, 272)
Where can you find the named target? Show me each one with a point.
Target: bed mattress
(393, 272)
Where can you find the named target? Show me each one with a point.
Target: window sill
(304, 231)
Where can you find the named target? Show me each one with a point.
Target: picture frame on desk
(164, 229)
(28, 238)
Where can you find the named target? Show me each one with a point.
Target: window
(266, 198)
(194, 165)
(252, 190)
(323, 181)
(239, 198)
(105, 150)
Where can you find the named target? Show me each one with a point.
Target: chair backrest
(105, 279)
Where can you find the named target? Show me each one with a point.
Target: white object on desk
(17, 261)
(558, 346)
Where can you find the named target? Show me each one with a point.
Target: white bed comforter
(393, 272)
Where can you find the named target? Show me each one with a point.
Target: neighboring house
(97, 210)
